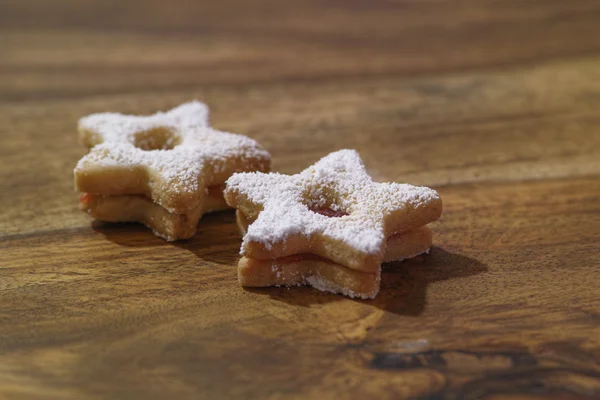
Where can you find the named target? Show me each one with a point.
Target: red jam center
(328, 212)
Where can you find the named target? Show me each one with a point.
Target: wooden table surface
(493, 103)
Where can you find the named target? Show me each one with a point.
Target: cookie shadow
(128, 234)
(300, 296)
(216, 240)
(403, 284)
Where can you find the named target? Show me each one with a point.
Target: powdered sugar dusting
(121, 128)
(338, 181)
(193, 149)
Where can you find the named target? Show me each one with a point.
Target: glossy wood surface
(493, 103)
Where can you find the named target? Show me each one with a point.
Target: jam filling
(85, 198)
(328, 212)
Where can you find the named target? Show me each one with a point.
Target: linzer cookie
(329, 226)
(165, 170)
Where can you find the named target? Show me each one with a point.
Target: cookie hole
(156, 139)
(328, 212)
(323, 201)
(324, 204)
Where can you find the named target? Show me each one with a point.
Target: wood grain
(493, 103)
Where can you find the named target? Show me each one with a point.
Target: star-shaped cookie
(332, 210)
(172, 158)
